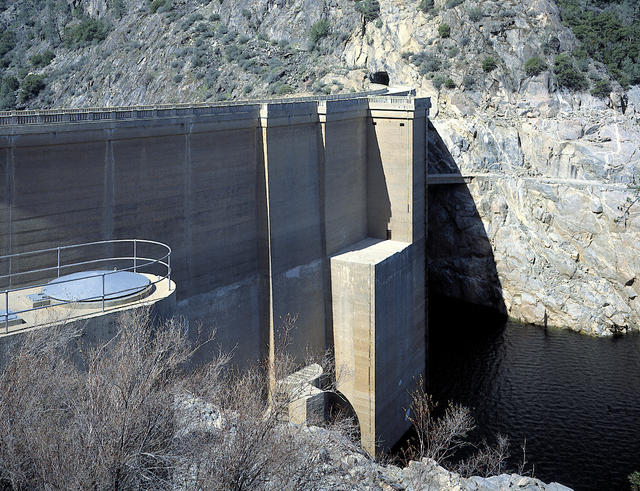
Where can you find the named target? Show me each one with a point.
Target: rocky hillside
(124, 52)
(75, 53)
(539, 118)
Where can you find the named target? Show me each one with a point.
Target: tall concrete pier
(314, 208)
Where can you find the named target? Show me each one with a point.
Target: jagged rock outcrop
(427, 475)
(357, 471)
(339, 464)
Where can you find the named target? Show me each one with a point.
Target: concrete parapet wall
(47, 116)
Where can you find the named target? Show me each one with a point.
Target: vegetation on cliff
(217, 51)
(105, 52)
(609, 32)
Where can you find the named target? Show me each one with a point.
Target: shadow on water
(574, 398)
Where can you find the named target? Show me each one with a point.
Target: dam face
(313, 209)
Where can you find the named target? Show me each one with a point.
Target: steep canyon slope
(546, 230)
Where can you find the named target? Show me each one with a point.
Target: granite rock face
(543, 252)
(548, 229)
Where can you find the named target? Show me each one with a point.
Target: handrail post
(103, 292)
(58, 261)
(169, 270)
(6, 311)
(135, 255)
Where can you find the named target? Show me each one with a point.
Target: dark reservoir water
(575, 399)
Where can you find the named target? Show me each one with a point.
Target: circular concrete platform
(87, 286)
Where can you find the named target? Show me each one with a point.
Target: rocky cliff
(547, 229)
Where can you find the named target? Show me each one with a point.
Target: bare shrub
(132, 414)
(105, 422)
(437, 438)
(256, 448)
(441, 438)
(486, 460)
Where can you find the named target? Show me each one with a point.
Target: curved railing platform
(56, 265)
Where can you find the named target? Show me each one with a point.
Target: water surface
(575, 399)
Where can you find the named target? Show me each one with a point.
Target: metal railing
(46, 116)
(138, 264)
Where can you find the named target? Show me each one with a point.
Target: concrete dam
(312, 208)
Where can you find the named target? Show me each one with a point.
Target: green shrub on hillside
(489, 64)
(453, 3)
(610, 33)
(31, 86)
(567, 74)
(10, 83)
(283, 89)
(370, 9)
(449, 84)
(86, 32)
(7, 42)
(444, 30)
(634, 481)
(602, 88)
(438, 80)
(452, 52)
(211, 77)
(198, 58)
(426, 62)
(233, 52)
(160, 6)
(475, 14)
(118, 8)
(425, 5)
(189, 21)
(8, 89)
(40, 60)
(319, 29)
(534, 66)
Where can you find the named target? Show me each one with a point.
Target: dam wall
(183, 180)
(255, 200)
